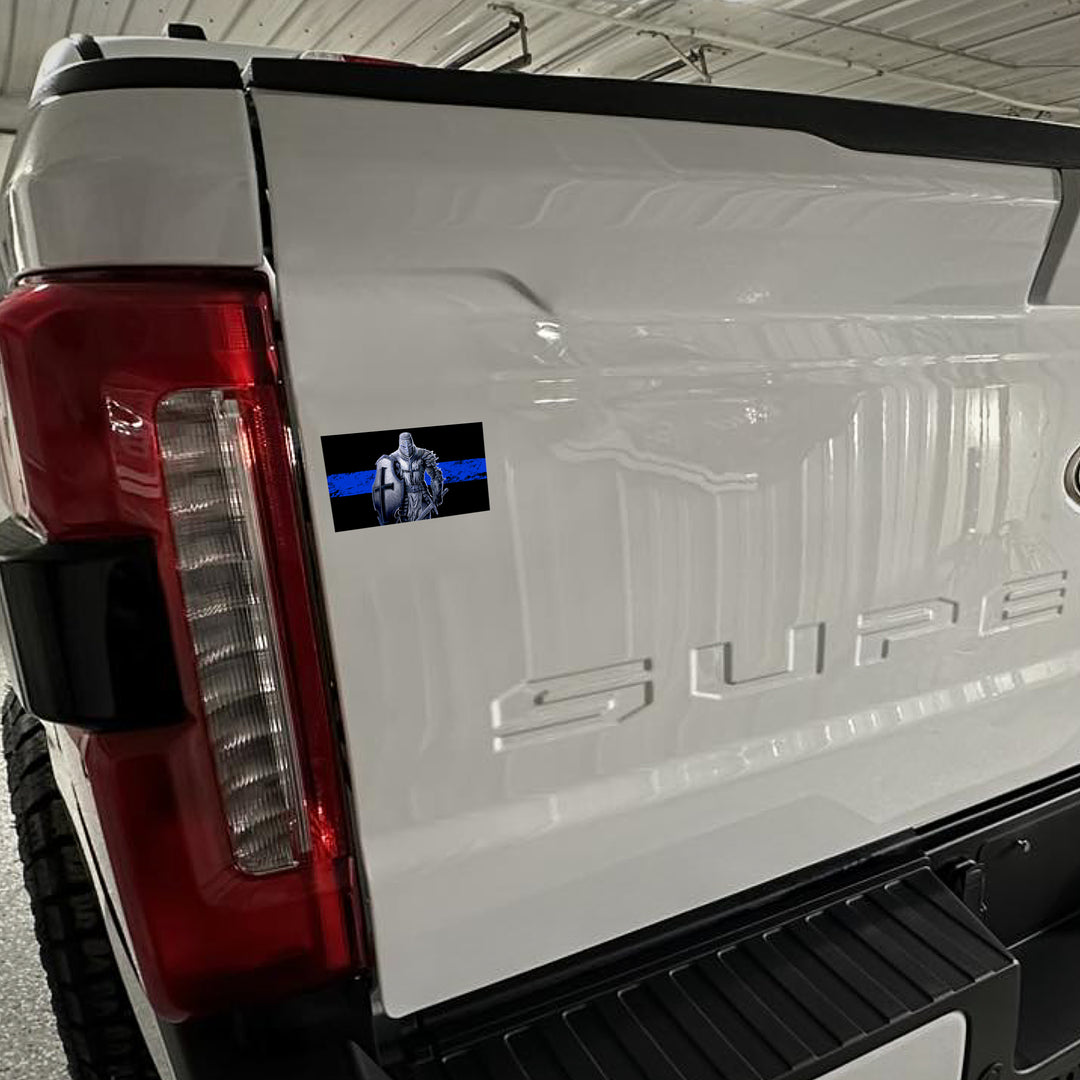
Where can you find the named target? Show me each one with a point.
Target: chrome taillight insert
(206, 454)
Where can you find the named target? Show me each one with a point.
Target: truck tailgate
(754, 546)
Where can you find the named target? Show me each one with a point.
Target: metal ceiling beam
(691, 58)
(790, 53)
(855, 26)
(1046, 23)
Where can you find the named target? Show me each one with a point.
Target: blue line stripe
(359, 483)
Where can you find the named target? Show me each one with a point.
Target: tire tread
(94, 1017)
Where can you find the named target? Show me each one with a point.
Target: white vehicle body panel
(754, 405)
(932, 1052)
(132, 178)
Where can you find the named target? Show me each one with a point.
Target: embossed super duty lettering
(1020, 603)
(539, 710)
(878, 630)
(879, 633)
(712, 667)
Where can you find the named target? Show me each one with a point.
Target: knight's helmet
(405, 444)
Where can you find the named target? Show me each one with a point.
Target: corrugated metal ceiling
(1017, 57)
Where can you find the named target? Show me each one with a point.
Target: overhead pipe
(515, 28)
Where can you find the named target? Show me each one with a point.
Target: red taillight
(226, 833)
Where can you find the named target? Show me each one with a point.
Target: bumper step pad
(788, 1002)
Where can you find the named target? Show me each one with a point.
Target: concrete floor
(29, 1046)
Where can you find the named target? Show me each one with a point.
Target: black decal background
(350, 470)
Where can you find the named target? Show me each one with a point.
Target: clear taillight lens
(206, 453)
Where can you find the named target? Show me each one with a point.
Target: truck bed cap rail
(858, 125)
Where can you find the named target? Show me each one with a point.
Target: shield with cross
(387, 491)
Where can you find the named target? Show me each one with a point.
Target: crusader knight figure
(400, 491)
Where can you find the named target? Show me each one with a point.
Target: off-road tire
(94, 1017)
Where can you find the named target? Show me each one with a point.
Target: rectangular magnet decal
(402, 475)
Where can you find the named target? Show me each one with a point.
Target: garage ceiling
(1013, 57)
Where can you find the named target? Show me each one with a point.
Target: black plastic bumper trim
(858, 125)
(785, 1001)
(141, 73)
(86, 632)
(321, 1033)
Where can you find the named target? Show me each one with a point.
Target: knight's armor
(411, 463)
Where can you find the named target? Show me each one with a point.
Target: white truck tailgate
(754, 545)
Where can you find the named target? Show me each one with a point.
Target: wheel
(97, 1026)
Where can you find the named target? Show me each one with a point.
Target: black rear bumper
(792, 1000)
(979, 915)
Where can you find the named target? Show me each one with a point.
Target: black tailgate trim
(1057, 242)
(790, 1000)
(858, 125)
(141, 73)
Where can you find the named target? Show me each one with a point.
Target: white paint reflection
(620, 450)
(548, 332)
(724, 482)
(608, 798)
